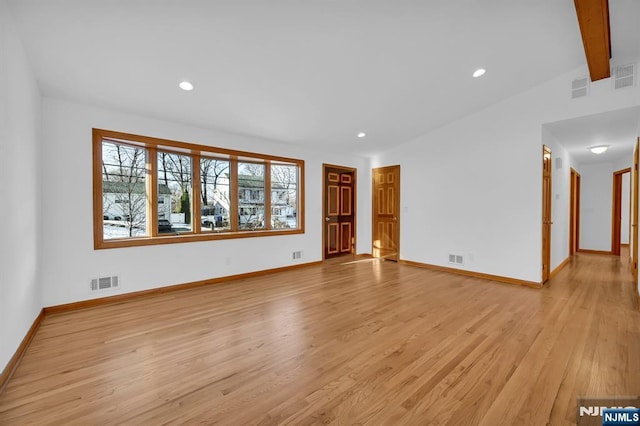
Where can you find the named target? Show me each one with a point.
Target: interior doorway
(546, 213)
(386, 212)
(574, 213)
(339, 208)
(634, 212)
(619, 210)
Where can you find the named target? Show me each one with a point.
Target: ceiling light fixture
(479, 72)
(599, 149)
(362, 135)
(185, 85)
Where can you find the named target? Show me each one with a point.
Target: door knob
(327, 219)
(395, 218)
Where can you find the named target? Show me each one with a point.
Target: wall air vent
(623, 76)
(104, 283)
(580, 87)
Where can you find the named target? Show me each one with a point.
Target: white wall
(20, 212)
(595, 206)
(473, 187)
(69, 260)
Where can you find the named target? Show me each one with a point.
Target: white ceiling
(618, 129)
(301, 71)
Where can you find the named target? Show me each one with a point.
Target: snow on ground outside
(111, 231)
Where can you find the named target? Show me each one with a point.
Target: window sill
(188, 238)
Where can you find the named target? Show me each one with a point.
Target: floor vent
(104, 283)
(579, 87)
(624, 76)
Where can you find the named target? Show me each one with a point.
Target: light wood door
(616, 213)
(574, 214)
(386, 212)
(634, 215)
(546, 213)
(339, 211)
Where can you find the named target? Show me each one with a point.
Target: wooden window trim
(152, 145)
(267, 195)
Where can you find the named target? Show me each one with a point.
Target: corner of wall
(20, 148)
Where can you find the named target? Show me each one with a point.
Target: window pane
(124, 198)
(250, 196)
(284, 196)
(174, 193)
(214, 190)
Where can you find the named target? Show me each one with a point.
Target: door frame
(574, 212)
(546, 224)
(616, 211)
(634, 214)
(353, 170)
(373, 208)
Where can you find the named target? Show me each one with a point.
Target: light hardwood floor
(361, 343)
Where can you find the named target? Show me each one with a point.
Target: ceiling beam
(593, 17)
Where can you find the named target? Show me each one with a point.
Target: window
(251, 178)
(124, 198)
(215, 193)
(175, 190)
(199, 192)
(284, 191)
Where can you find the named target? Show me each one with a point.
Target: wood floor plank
(346, 342)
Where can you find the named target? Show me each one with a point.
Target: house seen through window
(155, 191)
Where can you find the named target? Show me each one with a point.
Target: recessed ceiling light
(362, 135)
(185, 85)
(599, 149)
(479, 72)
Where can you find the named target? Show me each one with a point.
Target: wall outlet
(297, 255)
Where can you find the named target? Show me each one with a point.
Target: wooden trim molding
(547, 212)
(195, 152)
(593, 19)
(594, 251)
(559, 267)
(616, 210)
(119, 298)
(480, 275)
(17, 356)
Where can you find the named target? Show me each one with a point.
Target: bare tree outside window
(284, 203)
(130, 193)
(174, 171)
(124, 197)
(214, 191)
